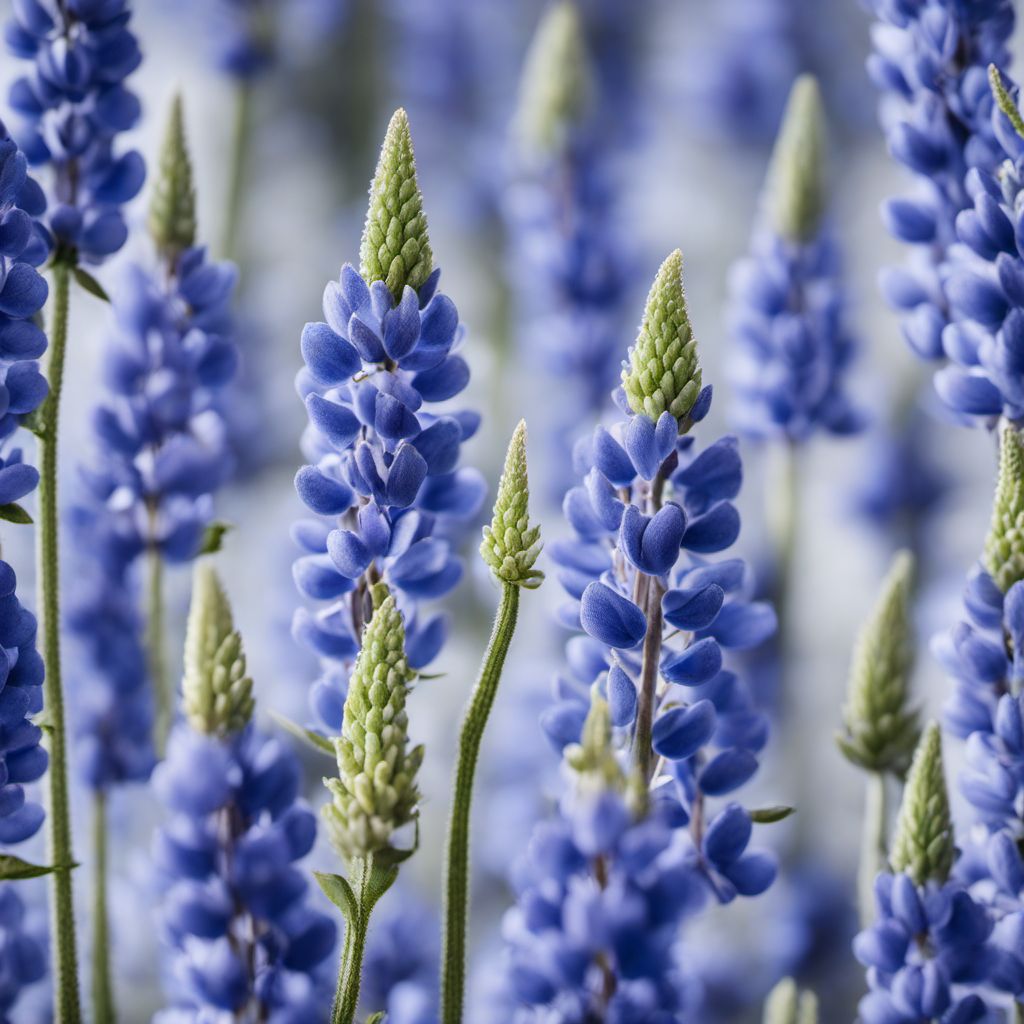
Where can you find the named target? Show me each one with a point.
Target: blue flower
(22, 951)
(22, 757)
(72, 105)
(234, 910)
(383, 474)
(926, 940)
(930, 62)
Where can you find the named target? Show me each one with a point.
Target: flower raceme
(73, 104)
(383, 477)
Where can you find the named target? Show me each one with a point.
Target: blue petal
(611, 618)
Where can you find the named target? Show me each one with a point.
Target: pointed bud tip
(662, 372)
(172, 212)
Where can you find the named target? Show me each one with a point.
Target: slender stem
(102, 988)
(784, 521)
(456, 889)
(64, 958)
(155, 649)
(1017, 1012)
(346, 998)
(874, 845)
(643, 753)
(236, 169)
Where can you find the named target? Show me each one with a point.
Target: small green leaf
(340, 893)
(14, 868)
(377, 1018)
(770, 815)
(431, 675)
(213, 536)
(14, 513)
(90, 284)
(308, 736)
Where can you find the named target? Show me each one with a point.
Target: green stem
(643, 752)
(241, 130)
(874, 845)
(456, 889)
(155, 650)
(346, 997)
(102, 987)
(1017, 1012)
(64, 959)
(784, 521)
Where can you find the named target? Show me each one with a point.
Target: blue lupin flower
(570, 257)
(383, 476)
(161, 451)
(235, 913)
(22, 953)
(930, 63)
(793, 347)
(72, 105)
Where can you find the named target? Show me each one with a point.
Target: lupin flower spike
(511, 545)
(395, 248)
(796, 189)
(510, 548)
(172, 210)
(375, 793)
(663, 372)
(923, 846)
(216, 688)
(556, 83)
(1004, 545)
(786, 1004)
(881, 729)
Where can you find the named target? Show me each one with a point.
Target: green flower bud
(1004, 545)
(593, 757)
(556, 87)
(795, 188)
(881, 729)
(511, 545)
(663, 371)
(923, 846)
(786, 1004)
(395, 248)
(375, 792)
(216, 691)
(172, 209)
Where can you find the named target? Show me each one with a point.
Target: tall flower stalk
(146, 496)
(382, 478)
(244, 941)
(510, 549)
(72, 104)
(652, 727)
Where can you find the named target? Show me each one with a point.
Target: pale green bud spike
(796, 185)
(1004, 100)
(881, 729)
(1004, 545)
(375, 792)
(786, 1004)
(395, 248)
(593, 757)
(511, 545)
(663, 371)
(172, 210)
(923, 846)
(216, 691)
(556, 86)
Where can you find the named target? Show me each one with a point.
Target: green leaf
(13, 868)
(770, 815)
(213, 536)
(431, 675)
(377, 1018)
(340, 893)
(90, 284)
(308, 736)
(14, 513)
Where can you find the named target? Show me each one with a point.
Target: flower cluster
(22, 953)
(793, 347)
(164, 453)
(931, 942)
(607, 885)
(234, 906)
(73, 105)
(930, 62)
(569, 254)
(383, 476)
